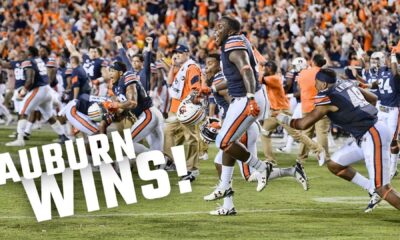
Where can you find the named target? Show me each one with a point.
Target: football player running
(352, 109)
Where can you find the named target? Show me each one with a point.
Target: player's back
(236, 87)
(39, 66)
(355, 114)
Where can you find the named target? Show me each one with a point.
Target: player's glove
(283, 118)
(252, 108)
(21, 94)
(111, 107)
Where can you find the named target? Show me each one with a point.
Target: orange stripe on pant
(232, 130)
(143, 124)
(82, 121)
(34, 92)
(245, 167)
(377, 156)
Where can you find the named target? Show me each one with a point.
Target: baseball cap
(181, 49)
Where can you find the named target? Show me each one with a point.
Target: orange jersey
(276, 94)
(192, 81)
(306, 82)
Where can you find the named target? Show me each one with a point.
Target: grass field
(331, 209)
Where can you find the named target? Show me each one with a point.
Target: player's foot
(16, 143)
(281, 150)
(63, 138)
(262, 177)
(221, 211)
(373, 202)
(321, 156)
(191, 175)
(204, 157)
(219, 193)
(253, 176)
(300, 175)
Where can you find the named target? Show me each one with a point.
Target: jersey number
(356, 97)
(41, 67)
(89, 69)
(384, 86)
(19, 73)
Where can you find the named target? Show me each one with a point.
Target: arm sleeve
(122, 54)
(235, 44)
(146, 71)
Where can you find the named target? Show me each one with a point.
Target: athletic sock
(58, 128)
(228, 202)
(289, 143)
(226, 176)
(139, 148)
(20, 128)
(28, 128)
(282, 172)
(256, 164)
(362, 181)
(393, 163)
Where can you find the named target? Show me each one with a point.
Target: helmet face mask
(210, 129)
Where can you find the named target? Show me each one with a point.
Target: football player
(352, 109)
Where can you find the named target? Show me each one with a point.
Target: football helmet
(189, 113)
(210, 129)
(377, 60)
(299, 64)
(96, 112)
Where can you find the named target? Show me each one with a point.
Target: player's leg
(30, 103)
(79, 120)
(376, 149)
(340, 165)
(156, 136)
(394, 124)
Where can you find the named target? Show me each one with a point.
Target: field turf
(331, 209)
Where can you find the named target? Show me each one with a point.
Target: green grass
(282, 211)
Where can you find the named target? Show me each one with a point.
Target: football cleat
(373, 202)
(300, 175)
(221, 211)
(219, 193)
(321, 155)
(16, 143)
(191, 175)
(262, 177)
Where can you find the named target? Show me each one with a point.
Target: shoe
(62, 138)
(253, 176)
(221, 211)
(281, 150)
(373, 202)
(262, 177)
(16, 143)
(204, 157)
(300, 175)
(321, 156)
(189, 176)
(170, 168)
(219, 193)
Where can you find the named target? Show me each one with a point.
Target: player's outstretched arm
(370, 97)
(309, 120)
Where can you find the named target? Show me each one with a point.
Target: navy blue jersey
(143, 100)
(220, 100)
(39, 66)
(388, 88)
(79, 80)
(84, 101)
(18, 73)
(236, 86)
(64, 73)
(92, 67)
(355, 114)
(370, 76)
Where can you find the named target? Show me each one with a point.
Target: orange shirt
(192, 73)
(306, 82)
(276, 94)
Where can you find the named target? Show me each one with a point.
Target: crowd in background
(280, 30)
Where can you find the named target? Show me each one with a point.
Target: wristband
(250, 95)
(393, 58)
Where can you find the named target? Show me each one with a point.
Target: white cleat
(262, 177)
(219, 193)
(301, 176)
(373, 202)
(321, 157)
(221, 211)
(16, 143)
